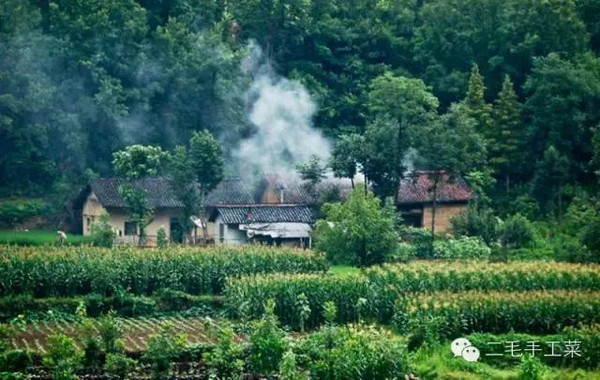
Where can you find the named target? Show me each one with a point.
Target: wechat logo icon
(463, 348)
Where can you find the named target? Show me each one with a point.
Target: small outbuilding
(416, 194)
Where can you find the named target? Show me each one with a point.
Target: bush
(161, 237)
(266, 345)
(72, 271)
(118, 364)
(163, 349)
(226, 359)
(63, 357)
(16, 211)
(419, 238)
(102, 232)
(357, 232)
(465, 247)
(516, 232)
(476, 221)
(350, 352)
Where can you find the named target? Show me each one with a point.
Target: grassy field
(344, 270)
(38, 237)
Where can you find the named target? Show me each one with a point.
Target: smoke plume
(281, 112)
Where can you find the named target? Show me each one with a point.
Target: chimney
(281, 191)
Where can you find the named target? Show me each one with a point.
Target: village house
(277, 224)
(102, 196)
(415, 199)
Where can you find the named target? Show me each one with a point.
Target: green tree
(195, 171)
(357, 232)
(475, 105)
(134, 163)
(508, 136)
(312, 172)
(449, 147)
(397, 105)
(347, 155)
(550, 179)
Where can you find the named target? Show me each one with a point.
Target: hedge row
(45, 272)
(125, 305)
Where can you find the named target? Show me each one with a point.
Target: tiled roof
(266, 214)
(419, 189)
(295, 192)
(161, 195)
(159, 192)
(229, 191)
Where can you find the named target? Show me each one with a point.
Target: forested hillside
(504, 92)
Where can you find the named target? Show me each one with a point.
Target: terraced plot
(136, 332)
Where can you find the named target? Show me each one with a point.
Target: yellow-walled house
(416, 194)
(102, 196)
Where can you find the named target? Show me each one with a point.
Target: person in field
(61, 238)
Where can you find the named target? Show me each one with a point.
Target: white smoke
(281, 110)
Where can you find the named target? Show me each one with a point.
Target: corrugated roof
(161, 195)
(419, 189)
(266, 214)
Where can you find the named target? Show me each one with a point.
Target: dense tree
(347, 155)
(507, 137)
(475, 105)
(358, 232)
(135, 163)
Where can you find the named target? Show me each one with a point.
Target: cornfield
(245, 297)
(535, 312)
(382, 287)
(48, 271)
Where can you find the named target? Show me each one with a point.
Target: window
(130, 229)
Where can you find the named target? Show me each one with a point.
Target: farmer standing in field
(61, 238)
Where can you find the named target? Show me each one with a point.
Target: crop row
(535, 312)
(46, 271)
(374, 295)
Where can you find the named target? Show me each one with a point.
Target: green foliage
(537, 312)
(266, 344)
(345, 352)
(516, 232)
(477, 221)
(118, 364)
(531, 368)
(245, 297)
(226, 360)
(475, 106)
(163, 348)
(161, 237)
(73, 271)
(288, 369)
(358, 232)
(347, 154)
(136, 162)
(206, 159)
(16, 211)
(466, 247)
(312, 172)
(40, 238)
(102, 232)
(63, 357)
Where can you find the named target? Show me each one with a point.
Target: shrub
(102, 232)
(16, 211)
(163, 349)
(349, 352)
(465, 247)
(516, 232)
(419, 238)
(226, 359)
(266, 345)
(476, 221)
(16, 360)
(63, 357)
(161, 237)
(357, 232)
(118, 364)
